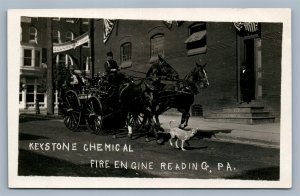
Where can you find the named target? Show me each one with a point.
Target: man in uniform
(245, 84)
(112, 68)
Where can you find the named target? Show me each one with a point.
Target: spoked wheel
(94, 114)
(134, 122)
(72, 113)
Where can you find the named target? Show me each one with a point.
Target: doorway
(249, 63)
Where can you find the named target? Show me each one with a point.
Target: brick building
(222, 45)
(33, 41)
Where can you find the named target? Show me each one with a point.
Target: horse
(182, 96)
(136, 97)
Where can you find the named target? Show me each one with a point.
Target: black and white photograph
(149, 98)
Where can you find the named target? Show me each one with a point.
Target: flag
(248, 26)
(251, 26)
(108, 27)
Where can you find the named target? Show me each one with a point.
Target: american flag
(249, 26)
(108, 27)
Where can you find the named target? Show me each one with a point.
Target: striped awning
(195, 37)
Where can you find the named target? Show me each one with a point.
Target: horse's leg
(187, 116)
(157, 120)
(147, 127)
(184, 119)
(129, 131)
(182, 122)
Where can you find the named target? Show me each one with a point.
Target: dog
(180, 134)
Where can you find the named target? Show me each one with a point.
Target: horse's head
(197, 78)
(201, 76)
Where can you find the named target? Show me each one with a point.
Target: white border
(187, 14)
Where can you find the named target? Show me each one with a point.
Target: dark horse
(136, 98)
(181, 95)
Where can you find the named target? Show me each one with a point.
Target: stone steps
(242, 115)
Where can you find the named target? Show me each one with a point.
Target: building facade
(224, 46)
(33, 68)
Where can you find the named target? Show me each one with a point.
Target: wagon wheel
(72, 112)
(94, 114)
(135, 121)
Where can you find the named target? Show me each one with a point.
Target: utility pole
(50, 100)
(91, 23)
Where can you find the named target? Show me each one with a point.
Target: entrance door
(249, 62)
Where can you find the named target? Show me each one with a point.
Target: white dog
(180, 134)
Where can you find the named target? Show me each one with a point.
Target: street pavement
(124, 157)
(260, 134)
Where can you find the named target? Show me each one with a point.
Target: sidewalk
(267, 135)
(262, 134)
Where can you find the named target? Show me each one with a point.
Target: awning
(195, 37)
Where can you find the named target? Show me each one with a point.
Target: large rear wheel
(94, 114)
(72, 110)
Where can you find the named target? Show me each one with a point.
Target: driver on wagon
(111, 68)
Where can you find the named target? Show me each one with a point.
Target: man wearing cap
(112, 68)
(111, 65)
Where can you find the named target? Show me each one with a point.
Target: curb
(249, 141)
(41, 116)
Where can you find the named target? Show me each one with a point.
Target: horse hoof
(129, 136)
(147, 140)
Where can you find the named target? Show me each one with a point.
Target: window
(157, 45)
(32, 57)
(126, 52)
(56, 37)
(196, 42)
(27, 57)
(40, 94)
(32, 34)
(64, 60)
(30, 93)
(69, 36)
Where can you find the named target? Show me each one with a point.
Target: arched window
(69, 36)
(33, 34)
(126, 52)
(157, 45)
(64, 59)
(56, 37)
